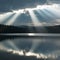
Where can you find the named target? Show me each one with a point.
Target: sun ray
(12, 20)
(35, 20)
(12, 45)
(3, 17)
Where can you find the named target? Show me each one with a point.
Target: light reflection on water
(47, 46)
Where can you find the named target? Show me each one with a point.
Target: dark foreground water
(46, 46)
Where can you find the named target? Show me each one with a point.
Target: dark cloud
(7, 5)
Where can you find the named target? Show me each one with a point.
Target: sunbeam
(12, 20)
(55, 12)
(40, 13)
(12, 45)
(48, 14)
(51, 14)
(48, 18)
(35, 43)
(2, 46)
(41, 16)
(3, 17)
(44, 18)
(35, 20)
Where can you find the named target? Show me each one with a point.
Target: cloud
(8, 5)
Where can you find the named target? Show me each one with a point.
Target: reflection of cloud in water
(37, 55)
(47, 46)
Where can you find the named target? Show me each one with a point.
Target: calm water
(45, 45)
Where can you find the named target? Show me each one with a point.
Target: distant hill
(29, 29)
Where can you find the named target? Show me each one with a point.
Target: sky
(10, 15)
(7, 5)
(41, 15)
(11, 12)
